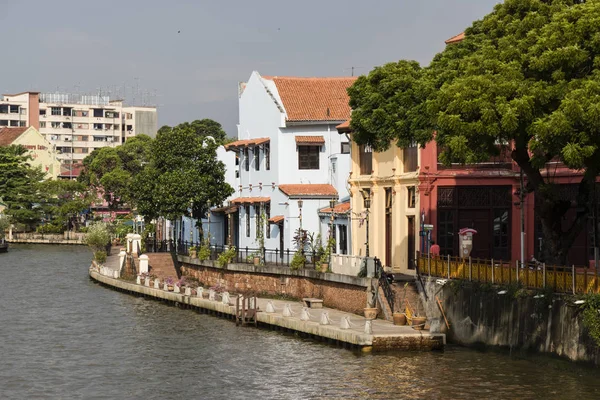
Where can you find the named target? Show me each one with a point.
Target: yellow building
(43, 153)
(384, 187)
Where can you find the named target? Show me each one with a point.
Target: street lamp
(300, 202)
(332, 205)
(229, 223)
(191, 221)
(367, 203)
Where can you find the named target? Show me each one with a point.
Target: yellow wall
(42, 151)
(387, 172)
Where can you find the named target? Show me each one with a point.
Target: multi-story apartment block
(77, 124)
(290, 160)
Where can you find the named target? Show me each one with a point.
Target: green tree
(19, 185)
(184, 171)
(110, 170)
(63, 200)
(203, 128)
(526, 75)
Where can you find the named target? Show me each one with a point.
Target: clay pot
(324, 267)
(399, 318)
(418, 323)
(257, 261)
(370, 313)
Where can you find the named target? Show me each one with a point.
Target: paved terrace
(384, 336)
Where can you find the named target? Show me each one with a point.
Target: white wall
(288, 171)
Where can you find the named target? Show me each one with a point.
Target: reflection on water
(62, 336)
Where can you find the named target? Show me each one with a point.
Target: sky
(187, 57)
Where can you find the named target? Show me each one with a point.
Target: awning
(309, 140)
(276, 219)
(239, 144)
(250, 200)
(225, 210)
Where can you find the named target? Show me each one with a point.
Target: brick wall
(344, 297)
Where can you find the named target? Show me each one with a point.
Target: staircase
(162, 265)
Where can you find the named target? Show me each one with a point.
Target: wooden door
(411, 242)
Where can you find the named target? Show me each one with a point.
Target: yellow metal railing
(531, 276)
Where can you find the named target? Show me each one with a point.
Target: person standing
(434, 250)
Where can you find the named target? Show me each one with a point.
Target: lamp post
(208, 228)
(367, 203)
(191, 221)
(300, 203)
(332, 205)
(229, 223)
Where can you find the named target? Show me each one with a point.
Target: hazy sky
(134, 48)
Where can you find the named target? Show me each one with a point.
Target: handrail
(388, 292)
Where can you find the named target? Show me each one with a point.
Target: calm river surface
(63, 336)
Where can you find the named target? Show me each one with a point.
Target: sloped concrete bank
(497, 317)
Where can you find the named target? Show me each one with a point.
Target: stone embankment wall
(49, 238)
(345, 293)
(479, 315)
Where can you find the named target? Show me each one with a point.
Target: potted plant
(300, 241)
(256, 259)
(170, 282)
(203, 250)
(399, 317)
(418, 321)
(371, 309)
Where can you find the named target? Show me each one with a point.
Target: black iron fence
(244, 255)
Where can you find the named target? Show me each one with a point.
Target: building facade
(77, 124)
(290, 161)
(42, 152)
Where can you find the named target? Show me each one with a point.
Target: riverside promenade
(381, 336)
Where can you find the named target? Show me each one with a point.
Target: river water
(64, 337)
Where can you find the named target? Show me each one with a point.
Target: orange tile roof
(344, 126)
(310, 140)
(246, 142)
(340, 208)
(249, 200)
(314, 99)
(455, 39)
(9, 135)
(276, 219)
(309, 190)
(70, 170)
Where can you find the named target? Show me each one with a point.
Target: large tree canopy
(19, 185)
(184, 169)
(202, 128)
(528, 74)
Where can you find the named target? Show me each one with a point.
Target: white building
(77, 124)
(290, 160)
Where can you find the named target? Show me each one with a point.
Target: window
(256, 152)
(345, 148)
(246, 159)
(56, 111)
(257, 218)
(42, 111)
(14, 123)
(308, 157)
(129, 128)
(14, 109)
(67, 125)
(21, 123)
(128, 116)
(333, 165)
(411, 197)
(410, 158)
(43, 124)
(112, 114)
(237, 159)
(247, 211)
(67, 111)
(343, 241)
(267, 151)
(98, 112)
(501, 250)
(268, 217)
(23, 110)
(98, 127)
(366, 159)
(446, 231)
(55, 125)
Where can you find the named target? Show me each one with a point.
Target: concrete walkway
(384, 335)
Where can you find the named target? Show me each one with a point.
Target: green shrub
(298, 260)
(203, 251)
(50, 228)
(226, 257)
(98, 236)
(100, 256)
